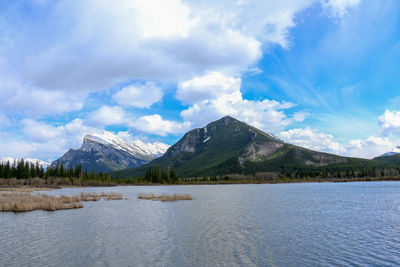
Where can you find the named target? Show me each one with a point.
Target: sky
(322, 74)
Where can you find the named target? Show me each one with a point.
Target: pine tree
(164, 177)
(32, 170)
(7, 170)
(173, 176)
(61, 171)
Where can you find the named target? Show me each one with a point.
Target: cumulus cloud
(152, 39)
(15, 148)
(107, 115)
(144, 40)
(370, 147)
(155, 124)
(38, 102)
(215, 95)
(140, 96)
(45, 141)
(205, 87)
(107, 42)
(389, 122)
(40, 132)
(312, 139)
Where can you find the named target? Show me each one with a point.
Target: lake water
(327, 224)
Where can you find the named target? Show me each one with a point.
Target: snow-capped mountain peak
(137, 148)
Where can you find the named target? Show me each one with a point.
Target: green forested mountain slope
(229, 146)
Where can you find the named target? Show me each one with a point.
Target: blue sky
(323, 74)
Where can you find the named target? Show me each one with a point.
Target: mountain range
(229, 146)
(225, 146)
(107, 152)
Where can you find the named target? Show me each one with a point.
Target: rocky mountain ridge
(107, 152)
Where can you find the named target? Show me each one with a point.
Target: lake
(316, 224)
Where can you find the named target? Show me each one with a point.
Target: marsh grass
(25, 189)
(164, 197)
(21, 201)
(102, 195)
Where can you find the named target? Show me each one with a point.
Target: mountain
(107, 152)
(394, 151)
(228, 146)
(30, 160)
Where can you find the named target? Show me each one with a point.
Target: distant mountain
(107, 152)
(30, 160)
(229, 146)
(394, 151)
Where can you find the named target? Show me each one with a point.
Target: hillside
(391, 159)
(229, 146)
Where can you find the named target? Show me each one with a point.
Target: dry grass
(20, 202)
(102, 195)
(165, 198)
(25, 189)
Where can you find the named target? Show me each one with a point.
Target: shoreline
(44, 187)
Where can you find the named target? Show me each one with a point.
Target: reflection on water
(270, 225)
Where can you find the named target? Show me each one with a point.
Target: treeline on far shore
(20, 173)
(25, 173)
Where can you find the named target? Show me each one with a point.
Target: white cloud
(45, 141)
(389, 122)
(216, 95)
(140, 96)
(312, 139)
(107, 42)
(369, 148)
(38, 102)
(15, 148)
(155, 124)
(107, 115)
(340, 7)
(211, 85)
(39, 131)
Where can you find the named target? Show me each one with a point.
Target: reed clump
(25, 189)
(21, 202)
(102, 195)
(165, 198)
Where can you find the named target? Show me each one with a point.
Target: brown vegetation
(165, 198)
(102, 195)
(24, 189)
(20, 201)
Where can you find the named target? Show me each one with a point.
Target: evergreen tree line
(21, 170)
(25, 170)
(156, 176)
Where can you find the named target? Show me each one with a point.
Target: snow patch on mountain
(137, 148)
